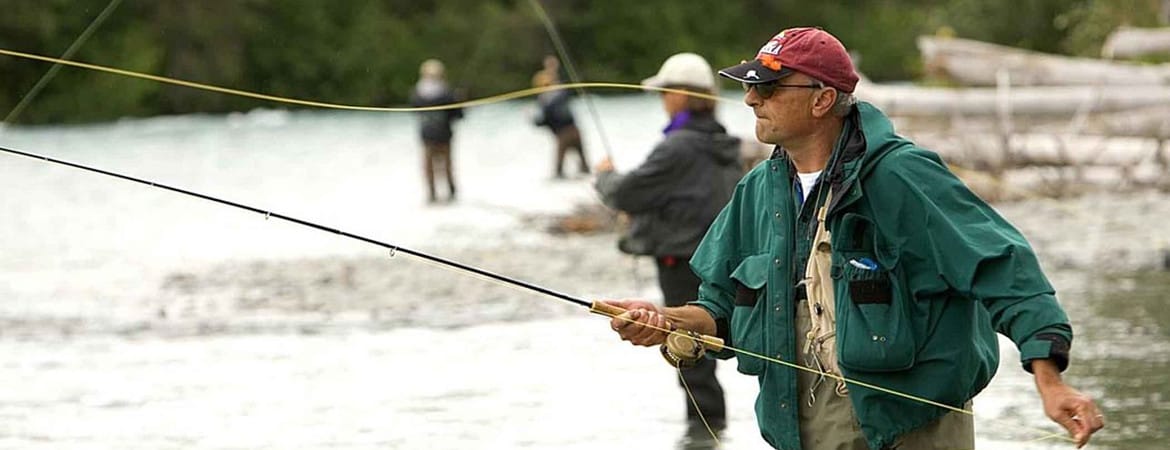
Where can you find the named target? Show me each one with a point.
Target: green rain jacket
(950, 273)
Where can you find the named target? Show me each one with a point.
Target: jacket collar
(868, 137)
(845, 164)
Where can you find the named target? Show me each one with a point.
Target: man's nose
(751, 98)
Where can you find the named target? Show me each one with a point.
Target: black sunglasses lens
(765, 90)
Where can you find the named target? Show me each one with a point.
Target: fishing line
(294, 101)
(1046, 434)
(287, 100)
(76, 45)
(559, 44)
(542, 14)
(695, 403)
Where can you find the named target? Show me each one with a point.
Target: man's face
(673, 103)
(786, 114)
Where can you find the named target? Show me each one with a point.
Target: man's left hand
(1074, 411)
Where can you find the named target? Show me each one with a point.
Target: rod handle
(711, 343)
(605, 309)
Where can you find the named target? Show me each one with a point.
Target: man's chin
(762, 136)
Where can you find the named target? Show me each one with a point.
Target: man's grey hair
(844, 103)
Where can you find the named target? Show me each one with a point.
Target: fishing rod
(686, 343)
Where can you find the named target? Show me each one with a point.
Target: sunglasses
(765, 90)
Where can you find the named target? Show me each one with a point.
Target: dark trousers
(569, 140)
(679, 286)
(437, 161)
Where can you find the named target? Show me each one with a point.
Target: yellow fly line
(1046, 435)
(294, 101)
(480, 102)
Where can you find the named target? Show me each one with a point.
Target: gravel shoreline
(1098, 233)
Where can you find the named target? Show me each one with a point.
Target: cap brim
(752, 72)
(654, 81)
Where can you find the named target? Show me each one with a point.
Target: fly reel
(683, 349)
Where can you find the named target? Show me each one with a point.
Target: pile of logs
(1021, 123)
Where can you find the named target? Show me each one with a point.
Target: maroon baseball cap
(811, 51)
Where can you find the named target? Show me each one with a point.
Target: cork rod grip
(711, 343)
(605, 309)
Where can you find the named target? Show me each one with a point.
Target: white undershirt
(807, 181)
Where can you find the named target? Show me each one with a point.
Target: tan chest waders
(820, 350)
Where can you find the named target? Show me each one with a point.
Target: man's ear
(823, 102)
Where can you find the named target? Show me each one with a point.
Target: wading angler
(861, 257)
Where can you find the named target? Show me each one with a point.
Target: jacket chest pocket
(750, 279)
(874, 333)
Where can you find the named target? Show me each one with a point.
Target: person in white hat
(674, 196)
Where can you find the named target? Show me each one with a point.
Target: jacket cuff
(1045, 346)
(722, 328)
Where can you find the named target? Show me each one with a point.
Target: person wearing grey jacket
(674, 196)
(435, 126)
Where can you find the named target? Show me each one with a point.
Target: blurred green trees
(367, 51)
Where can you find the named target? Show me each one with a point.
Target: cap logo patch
(752, 74)
(771, 48)
(770, 61)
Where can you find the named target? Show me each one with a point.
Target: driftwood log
(1049, 165)
(898, 100)
(987, 151)
(1128, 43)
(975, 63)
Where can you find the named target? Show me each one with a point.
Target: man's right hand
(643, 323)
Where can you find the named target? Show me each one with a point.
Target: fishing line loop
(326, 105)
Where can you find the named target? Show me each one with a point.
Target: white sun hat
(683, 69)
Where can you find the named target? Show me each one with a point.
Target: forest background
(367, 52)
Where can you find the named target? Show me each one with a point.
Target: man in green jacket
(917, 276)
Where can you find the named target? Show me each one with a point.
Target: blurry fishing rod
(686, 339)
(563, 51)
(69, 52)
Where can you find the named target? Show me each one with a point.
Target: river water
(135, 318)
